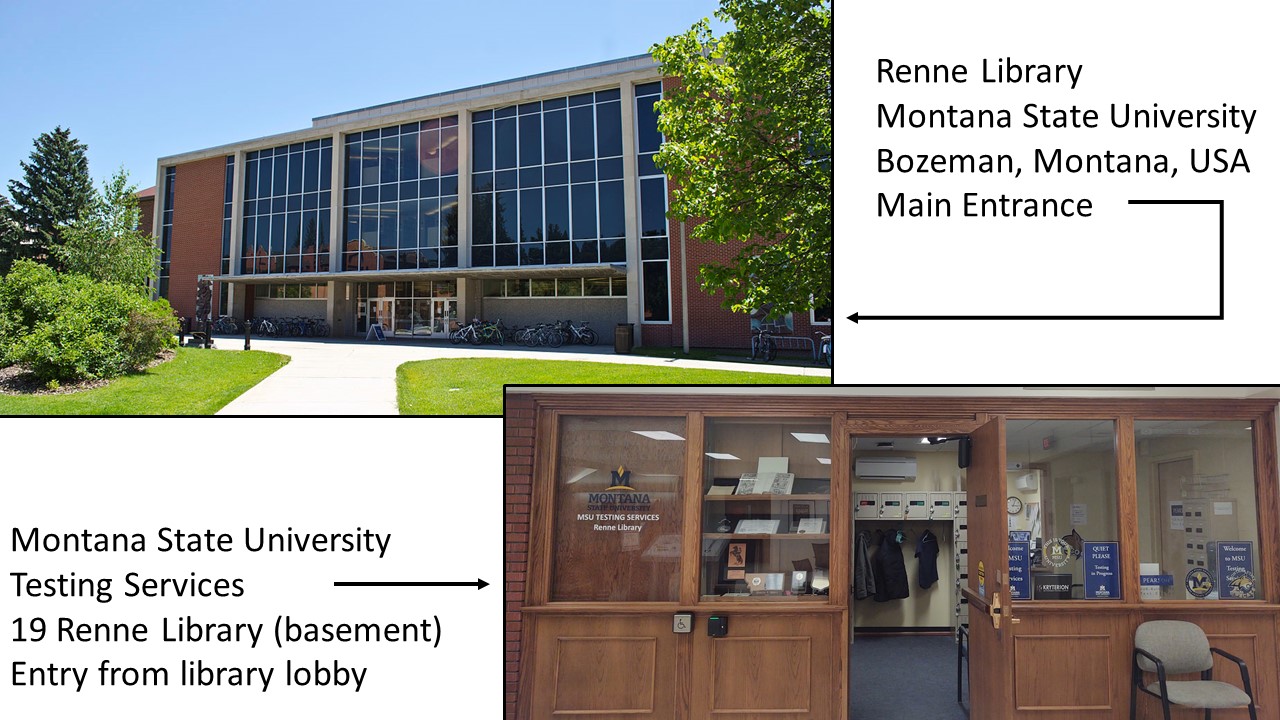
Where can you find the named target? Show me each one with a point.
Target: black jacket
(891, 570)
(864, 579)
(927, 552)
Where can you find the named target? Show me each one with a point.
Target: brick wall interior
(199, 188)
(519, 427)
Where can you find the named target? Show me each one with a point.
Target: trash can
(622, 339)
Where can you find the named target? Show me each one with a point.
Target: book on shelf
(778, 483)
(720, 490)
(746, 484)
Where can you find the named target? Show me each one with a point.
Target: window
(655, 249)
(166, 230)
(286, 209)
(304, 291)
(227, 200)
(821, 315)
(766, 519)
(563, 287)
(1197, 510)
(547, 189)
(400, 201)
(1061, 504)
(618, 513)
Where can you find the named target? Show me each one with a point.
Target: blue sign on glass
(1022, 536)
(1102, 570)
(1235, 571)
(1019, 571)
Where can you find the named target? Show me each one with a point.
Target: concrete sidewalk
(349, 377)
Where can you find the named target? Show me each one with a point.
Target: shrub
(68, 327)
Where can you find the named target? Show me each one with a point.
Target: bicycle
(763, 346)
(580, 334)
(824, 347)
(468, 332)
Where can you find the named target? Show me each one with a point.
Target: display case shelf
(766, 536)
(770, 498)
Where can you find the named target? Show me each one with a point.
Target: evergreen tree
(10, 235)
(55, 188)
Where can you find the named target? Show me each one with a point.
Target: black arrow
(859, 316)
(477, 584)
(1222, 285)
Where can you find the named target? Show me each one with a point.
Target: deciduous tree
(749, 148)
(104, 241)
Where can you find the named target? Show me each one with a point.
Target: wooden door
(990, 620)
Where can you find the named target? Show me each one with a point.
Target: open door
(990, 618)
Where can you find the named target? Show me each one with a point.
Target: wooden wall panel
(769, 667)
(616, 667)
(1064, 672)
(761, 674)
(1071, 665)
(595, 675)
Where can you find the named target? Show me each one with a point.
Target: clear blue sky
(136, 81)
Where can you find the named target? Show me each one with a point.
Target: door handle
(993, 609)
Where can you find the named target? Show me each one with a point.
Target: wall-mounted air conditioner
(885, 468)
(1028, 482)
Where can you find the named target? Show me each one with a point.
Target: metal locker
(941, 505)
(891, 506)
(866, 505)
(917, 508)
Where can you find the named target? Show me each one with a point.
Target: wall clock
(1013, 505)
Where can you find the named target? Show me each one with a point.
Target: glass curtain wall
(655, 245)
(166, 230)
(401, 197)
(227, 200)
(286, 209)
(547, 182)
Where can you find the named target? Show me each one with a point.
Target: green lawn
(473, 386)
(196, 382)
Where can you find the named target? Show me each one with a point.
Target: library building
(529, 200)
(772, 553)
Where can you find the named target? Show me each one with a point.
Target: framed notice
(758, 526)
(810, 526)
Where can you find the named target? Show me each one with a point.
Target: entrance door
(381, 311)
(443, 312)
(990, 619)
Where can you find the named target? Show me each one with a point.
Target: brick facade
(146, 210)
(519, 428)
(199, 189)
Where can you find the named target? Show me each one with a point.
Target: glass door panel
(443, 312)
